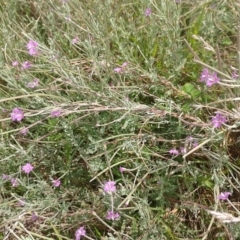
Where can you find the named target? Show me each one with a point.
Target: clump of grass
(119, 121)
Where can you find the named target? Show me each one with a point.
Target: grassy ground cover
(119, 119)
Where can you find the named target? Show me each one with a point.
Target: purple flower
(27, 168)
(26, 65)
(183, 150)
(21, 202)
(117, 70)
(34, 216)
(32, 47)
(80, 232)
(112, 216)
(75, 40)
(109, 187)
(195, 144)
(15, 63)
(224, 195)
(120, 69)
(124, 64)
(218, 120)
(56, 113)
(14, 182)
(56, 183)
(34, 83)
(5, 177)
(174, 151)
(122, 169)
(148, 12)
(235, 75)
(212, 79)
(17, 115)
(209, 78)
(24, 131)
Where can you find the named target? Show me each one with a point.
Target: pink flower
(15, 63)
(75, 40)
(112, 216)
(224, 195)
(56, 113)
(34, 216)
(14, 182)
(24, 131)
(32, 47)
(195, 144)
(183, 150)
(124, 64)
(109, 187)
(122, 169)
(26, 65)
(80, 232)
(218, 120)
(56, 183)
(33, 84)
(27, 168)
(17, 115)
(148, 12)
(174, 151)
(235, 75)
(117, 70)
(209, 78)
(21, 202)
(120, 69)
(5, 177)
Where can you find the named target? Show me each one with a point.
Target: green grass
(109, 120)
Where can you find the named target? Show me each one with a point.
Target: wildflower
(27, 168)
(24, 131)
(109, 187)
(174, 151)
(235, 75)
(33, 84)
(56, 113)
(148, 12)
(26, 65)
(15, 63)
(32, 47)
(117, 70)
(183, 150)
(212, 79)
(34, 216)
(56, 183)
(112, 216)
(122, 169)
(17, 115)
(120, 69)
(14, 182)
(5, 177)
(209, 78)
(224, 195)
(75, 40)
(218, 120)
(21, 202)
(80, 232)
(124, 64)
(195, 144)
